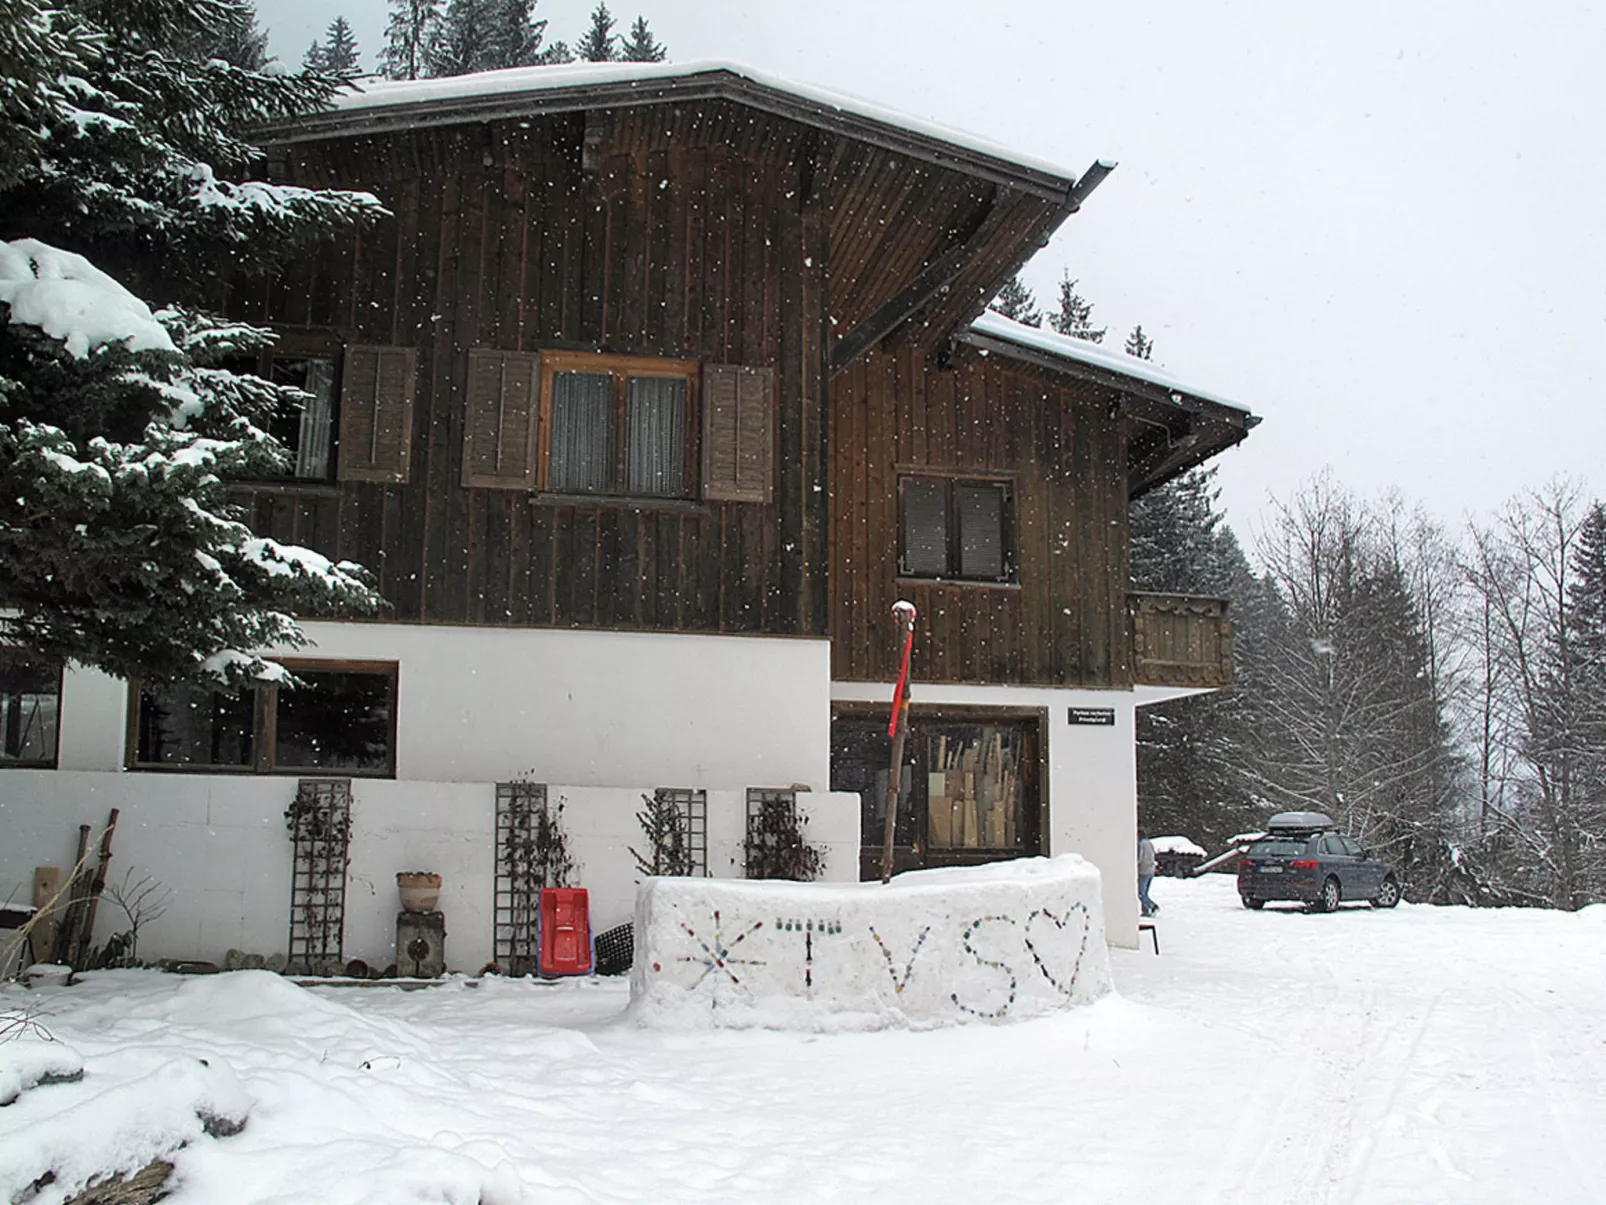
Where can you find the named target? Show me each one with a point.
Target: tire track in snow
(1293, 1136)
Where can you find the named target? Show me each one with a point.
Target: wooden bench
(1146, 925)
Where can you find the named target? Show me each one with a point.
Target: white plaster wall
(600, 708)
(1092, 779)
(219, 843)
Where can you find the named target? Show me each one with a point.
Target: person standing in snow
(1146, 873)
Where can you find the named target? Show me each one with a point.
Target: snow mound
(1002, 942)
(129, 1109)
(70, 299)
(28, 1060)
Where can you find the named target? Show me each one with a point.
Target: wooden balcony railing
(1180, 640)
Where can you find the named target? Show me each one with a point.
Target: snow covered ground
(1418, 1055)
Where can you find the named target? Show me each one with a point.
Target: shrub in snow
(1001, 942)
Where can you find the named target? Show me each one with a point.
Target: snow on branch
(70, 299)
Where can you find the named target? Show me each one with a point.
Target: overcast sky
(1377, 224)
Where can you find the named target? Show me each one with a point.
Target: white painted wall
(1092, 778)
(219, 843)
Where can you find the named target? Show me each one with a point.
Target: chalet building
(661, 386)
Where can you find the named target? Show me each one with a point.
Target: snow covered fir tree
(129, 202)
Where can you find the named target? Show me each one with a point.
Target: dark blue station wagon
(1303, 858)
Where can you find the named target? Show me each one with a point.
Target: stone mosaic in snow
(1002, 942)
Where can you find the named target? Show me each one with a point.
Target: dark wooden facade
(1063, 621)
(701, 231)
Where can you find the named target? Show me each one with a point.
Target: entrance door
(970, 788)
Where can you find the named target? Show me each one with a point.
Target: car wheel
(1388, 894)
(1330, 896)
(1252, 904)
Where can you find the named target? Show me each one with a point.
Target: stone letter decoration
(996, 943)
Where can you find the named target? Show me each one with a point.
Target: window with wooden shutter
(499, 431)
(376, 413)
(955, 529)
(738, 433)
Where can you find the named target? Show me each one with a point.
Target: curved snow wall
(1002, 942)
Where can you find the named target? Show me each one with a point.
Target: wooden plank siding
(688, 238)
(1063, 622)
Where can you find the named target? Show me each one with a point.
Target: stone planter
(420, 890)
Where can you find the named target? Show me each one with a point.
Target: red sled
(565, 932)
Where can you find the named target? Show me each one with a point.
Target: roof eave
(714, 84)
(1099, 375)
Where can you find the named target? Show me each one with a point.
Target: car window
(1351, 846)
(1277, 849)
(1332, 847)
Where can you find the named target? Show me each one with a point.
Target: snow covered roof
(1181, 425)
(1177, 845)
(1095, 356)
(521, 91)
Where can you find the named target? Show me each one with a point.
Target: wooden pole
(97, 885)
(898, 730)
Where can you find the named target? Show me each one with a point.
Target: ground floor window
(30, 704)
(970, 786)
(340, 717)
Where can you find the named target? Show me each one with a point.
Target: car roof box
(1284, 822)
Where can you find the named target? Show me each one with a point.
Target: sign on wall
(1102, 717)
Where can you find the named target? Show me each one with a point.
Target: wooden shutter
(925, 528)
(376, 413)
(504, 406)
(980, 510)
(738, 433)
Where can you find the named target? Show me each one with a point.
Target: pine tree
(599, 44)
(1140, 345)
(514, 37)
(488, 35)
(242, 44)
(119, 432)
(1015, 301)
(1075, 315)
(340, 50)
(410, 38)
(641, 46)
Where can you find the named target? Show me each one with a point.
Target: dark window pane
(861, 756)
(307, 430)
(582, 432)
(925, 528)
(30, 696)
(335, 721)
(981, 530)
(655, 436)
(195, 726)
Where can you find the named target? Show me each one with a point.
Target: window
(341, 719)
(359, 402)
(956, 528)
(617, 425)
(30, 702)
(969, 790)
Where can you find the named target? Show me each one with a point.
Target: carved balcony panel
(1180, 640)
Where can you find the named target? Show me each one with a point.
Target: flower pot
(419, 890)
